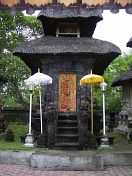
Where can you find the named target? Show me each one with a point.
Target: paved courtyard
(20, 170)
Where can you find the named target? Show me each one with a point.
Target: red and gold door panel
(67, 92)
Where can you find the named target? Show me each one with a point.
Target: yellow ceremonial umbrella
(90, 80)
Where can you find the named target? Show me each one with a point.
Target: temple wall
(53, 66)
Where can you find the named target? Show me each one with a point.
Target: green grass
(19, 128)
(12, 146)
(121, 143)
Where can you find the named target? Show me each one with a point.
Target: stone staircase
(67, 132)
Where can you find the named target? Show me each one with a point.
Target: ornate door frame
(67, 92)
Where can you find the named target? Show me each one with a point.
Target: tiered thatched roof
(123, 79)
(129, 44)
(66, 45)
(32, 51)
(85, 18)
(62, 12)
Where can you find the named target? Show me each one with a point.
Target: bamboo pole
(41, 118)
(91, 109)
(30, 114)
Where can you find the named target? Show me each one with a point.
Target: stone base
(29, 141)
(66, 161)
(104, 142)
(41, 142)
(28, 145)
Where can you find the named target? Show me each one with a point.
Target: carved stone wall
(125, 123)
(53, 66)
(127, 98)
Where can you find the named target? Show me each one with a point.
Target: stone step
(62, 117)
(67, 138)
(68, 128)
(65, 130)
(68, 135)
(65, 144)
(68, 121)
(67, 114)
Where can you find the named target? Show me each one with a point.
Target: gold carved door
(67, 92)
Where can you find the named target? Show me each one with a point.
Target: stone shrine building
(67, 52)
(125, 81)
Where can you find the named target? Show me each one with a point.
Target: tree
(114, 94)
(13, 30)
(15, 70)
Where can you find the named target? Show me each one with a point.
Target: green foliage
(13, 30)
(18, 129)
(16, 71)
(114, 94)
(15, 92)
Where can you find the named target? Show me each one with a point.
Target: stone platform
(67, 160)
(55, 160)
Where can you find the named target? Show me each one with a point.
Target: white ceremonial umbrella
(39, 79)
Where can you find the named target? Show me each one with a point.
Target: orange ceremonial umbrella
(90, 80)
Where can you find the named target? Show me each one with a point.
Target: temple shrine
(67, 52)
(125, 81)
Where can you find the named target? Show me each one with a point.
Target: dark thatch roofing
(129, 44)
(124, 78)
(86, 19)
(62, 12)
(32, 52)
(66, 45)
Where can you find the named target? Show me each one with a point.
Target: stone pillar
(51, 126)
(83, 127)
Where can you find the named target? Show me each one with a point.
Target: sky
(115, 28)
